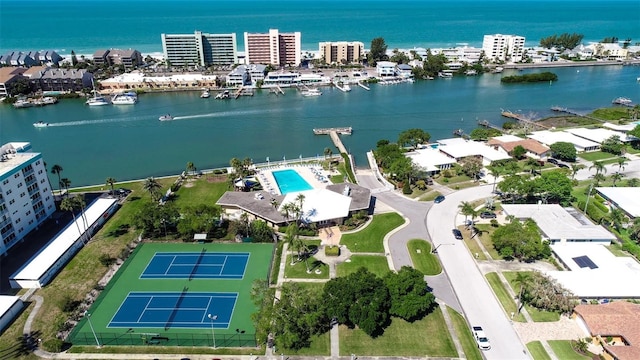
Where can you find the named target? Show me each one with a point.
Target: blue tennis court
(196, 265)
(143, 309)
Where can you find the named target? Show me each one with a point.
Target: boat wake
(100, 121)
(221, 114)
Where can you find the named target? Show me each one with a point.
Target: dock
(343, 87)
(238, 92)
(487, 124)
(522, 119)
(573, 112)
(276, 90)
(338, 130)
(363, 86)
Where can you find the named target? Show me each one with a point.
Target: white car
(481, 338)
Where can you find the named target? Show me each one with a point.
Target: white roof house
(320, 205)
(626, 199)
(386, 68)
(45, 264)
(10, 307)
(551, 137)
(559, 224)
(599, 135)
(620, 128)
(459, 148)
(430, 159)
(595, 272)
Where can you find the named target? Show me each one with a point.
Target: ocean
(89, 25)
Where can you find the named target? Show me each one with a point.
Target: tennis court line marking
(174, 255)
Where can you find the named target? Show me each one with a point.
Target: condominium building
(129, 58)
(26, 199)
(500, 47)
(273, 48)
(200, 49)
(341, 52)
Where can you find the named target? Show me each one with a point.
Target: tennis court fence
(177, 339)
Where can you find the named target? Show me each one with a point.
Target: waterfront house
(386, 69)
(599, 135)
(247, 75)
(507, 143)
(43, 78)
(130, 58)
(430, 159)
(626, 199)
(458, 149)
(404, 71)
(549, 138)
(9, 76)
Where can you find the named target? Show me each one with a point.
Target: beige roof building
(618, 320)
(534, 148)
(341, 52)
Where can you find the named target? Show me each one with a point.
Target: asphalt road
(480, 305)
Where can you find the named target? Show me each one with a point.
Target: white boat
(471, 72)
(166, 117)
(497, 70)
(311, 92)
(22, 103)
(40, 124)
(622, 101)
(342, 87)
(223, 95)
(445, 74)
(205, 94)
(97, 100)
(124, 99)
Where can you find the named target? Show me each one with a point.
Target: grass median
(370, 239)
(465, 336)
(508, 304)
(422, 258)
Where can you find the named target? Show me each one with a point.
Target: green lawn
(205, 190)
(508, 303)
(564, 351)
(465, 336)
(430, 196)
(472, 244)
(320, 346)
(613, 113)
(376, 264)
(370, 238)
(537, 351)
(423, 260)
(485, 238)
(426, 337)
(536, 314)
(452, 180)
(299, 269)
(596, 155)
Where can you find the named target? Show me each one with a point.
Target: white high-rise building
(26, 199)
(200, 48)
(273, 48)
(500, 47)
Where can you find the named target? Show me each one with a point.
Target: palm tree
(633, 182)
(110, 182)
(327, 152)
(616, 177)
(290, 238)
(495, 172)
(597, 178)
(574, 170)
(80, 203)
(617, 217)
(57, 169)
(599, 166)
(466, 209)
(522, 279)
(68, 204)
(622, 162)
(287, 209)
(152, 186)
(65, 182)
(274, 203)
(191, 168)
(236, 164)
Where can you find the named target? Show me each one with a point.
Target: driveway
(475, 295)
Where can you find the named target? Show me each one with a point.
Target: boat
(49, 100)
(497, 70)
(471, 72)
(622, 101)
(445, 75)
(223, 95)
(311, 92)
(40, 124)
(205, 94)
(166, 117)
(22, 103)
(97, 99)
(124, 99)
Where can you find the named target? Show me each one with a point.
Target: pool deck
(269, 184)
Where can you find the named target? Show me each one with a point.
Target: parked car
(439, 199)
(552, 161)
(488, 215)
(457, 234)
(481, 338)
(562, 165)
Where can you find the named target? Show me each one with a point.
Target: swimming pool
(290, 181)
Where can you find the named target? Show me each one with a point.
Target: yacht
(40, 124)
(223, 95)
(97, 100)
(471, 72)
(166, 117)
(205, 94)
(445, 74)
(311, 92)
(124, 99)
(622, 101)
(22, 103)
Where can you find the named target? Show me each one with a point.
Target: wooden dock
(338, 130)
(487, 124)
(522, 119)
(573, 112)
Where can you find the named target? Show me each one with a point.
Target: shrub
(494, 223)
(332, 250)
(106, 260)
(406, 188)
(53, 345)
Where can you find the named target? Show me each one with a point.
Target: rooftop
(320, 204)
(430, 158)
(599, 135)
(548, 137)
(12, 156)
(459, 148)
(626, 198)
(557, 223)
(530, 145)
(595, 272)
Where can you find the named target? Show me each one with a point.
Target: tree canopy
(564, 151)
(520, 241)
(612, 145)
(562, 42)
(635, 132)
(483, 133)
(378, 51)
(410, 298)
(413, 137)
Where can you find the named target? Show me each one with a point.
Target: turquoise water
(128, 142)
(86, 26)
(290, 181)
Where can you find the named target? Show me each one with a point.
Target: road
(471, 291)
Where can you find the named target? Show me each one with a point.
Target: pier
(276, 90)
(333, 132)
(573, 112)
(487, 124)
(522, 119)
(363, 86)
(343, 87)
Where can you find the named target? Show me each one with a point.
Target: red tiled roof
(529, 144)
(619, 318)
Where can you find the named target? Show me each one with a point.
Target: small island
(544, 76)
